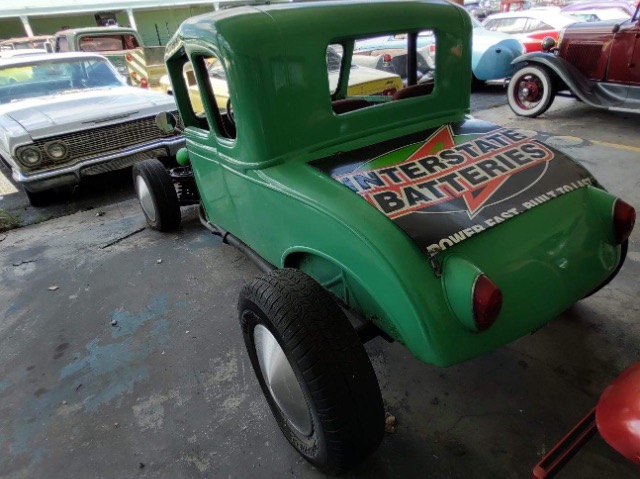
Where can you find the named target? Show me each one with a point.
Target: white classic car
(68, 115)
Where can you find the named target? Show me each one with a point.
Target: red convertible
(596, 62)
(529, 26)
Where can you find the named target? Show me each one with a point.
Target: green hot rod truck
(389, 214)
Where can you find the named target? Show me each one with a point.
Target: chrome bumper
(71, 174)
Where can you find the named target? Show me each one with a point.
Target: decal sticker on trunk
(443, 186)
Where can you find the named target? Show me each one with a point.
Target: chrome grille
(103, 140)
(585, 57)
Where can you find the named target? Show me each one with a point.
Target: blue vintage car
(491, 56)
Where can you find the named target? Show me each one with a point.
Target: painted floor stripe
(6, 187)
(616, 145)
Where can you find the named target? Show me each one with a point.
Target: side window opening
(382, 69)
(195, 100)
(214, 90)
(62, 44)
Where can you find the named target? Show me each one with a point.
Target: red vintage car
(596, 62)
(529, 26)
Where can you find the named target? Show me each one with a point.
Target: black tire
(157, 195)
(337, 387)
(531, 91)
(39, 198)
(476, 83)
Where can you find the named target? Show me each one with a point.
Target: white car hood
(68, 112)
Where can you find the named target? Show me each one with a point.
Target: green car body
(277, 183)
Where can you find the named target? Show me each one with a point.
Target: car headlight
(30, 157)
(57, 151)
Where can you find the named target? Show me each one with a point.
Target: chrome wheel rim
(281, 380)
(146, 202)
(530, 92)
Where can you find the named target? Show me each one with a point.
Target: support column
(27, 26)
(132, 19)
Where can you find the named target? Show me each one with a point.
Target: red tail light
(144, 83)
(432, 48)
(128, 57)
(487, 301)
(389, 91)
(386, 58)
(134, 75)
(624, 218)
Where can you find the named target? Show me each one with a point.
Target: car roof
(285, 44)
(21, 52)
(550, 17)
(37, 57)
(25, 39)
(99, 30)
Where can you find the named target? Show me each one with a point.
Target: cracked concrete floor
(168, 391)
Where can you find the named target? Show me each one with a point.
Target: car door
(209, 133)
(624, 61)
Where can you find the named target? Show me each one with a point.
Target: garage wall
(10, 28)
(157, 26)
(42, 25)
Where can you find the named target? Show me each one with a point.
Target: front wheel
(530, 91)
(313, 369)
(157, 195)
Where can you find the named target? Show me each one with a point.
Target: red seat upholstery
(349, 104)
(413, 91)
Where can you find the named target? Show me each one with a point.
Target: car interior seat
(413, 91)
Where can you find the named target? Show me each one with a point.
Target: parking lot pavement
(168, 391)
(94, 193)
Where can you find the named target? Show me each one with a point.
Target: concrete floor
(169, 390)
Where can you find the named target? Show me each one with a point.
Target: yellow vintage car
(363, 81)
(9, 76)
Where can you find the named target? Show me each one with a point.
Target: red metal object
(616, 417)
(618, 414)
(511, 5)
(564, 450)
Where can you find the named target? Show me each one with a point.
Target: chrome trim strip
(172, 145)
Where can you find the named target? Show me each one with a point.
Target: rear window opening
(108, 43)
(381, 69)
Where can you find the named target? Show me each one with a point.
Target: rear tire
(313, 369)
(157, 195)
(531, 91)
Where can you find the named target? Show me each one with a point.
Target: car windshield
(34, 79)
